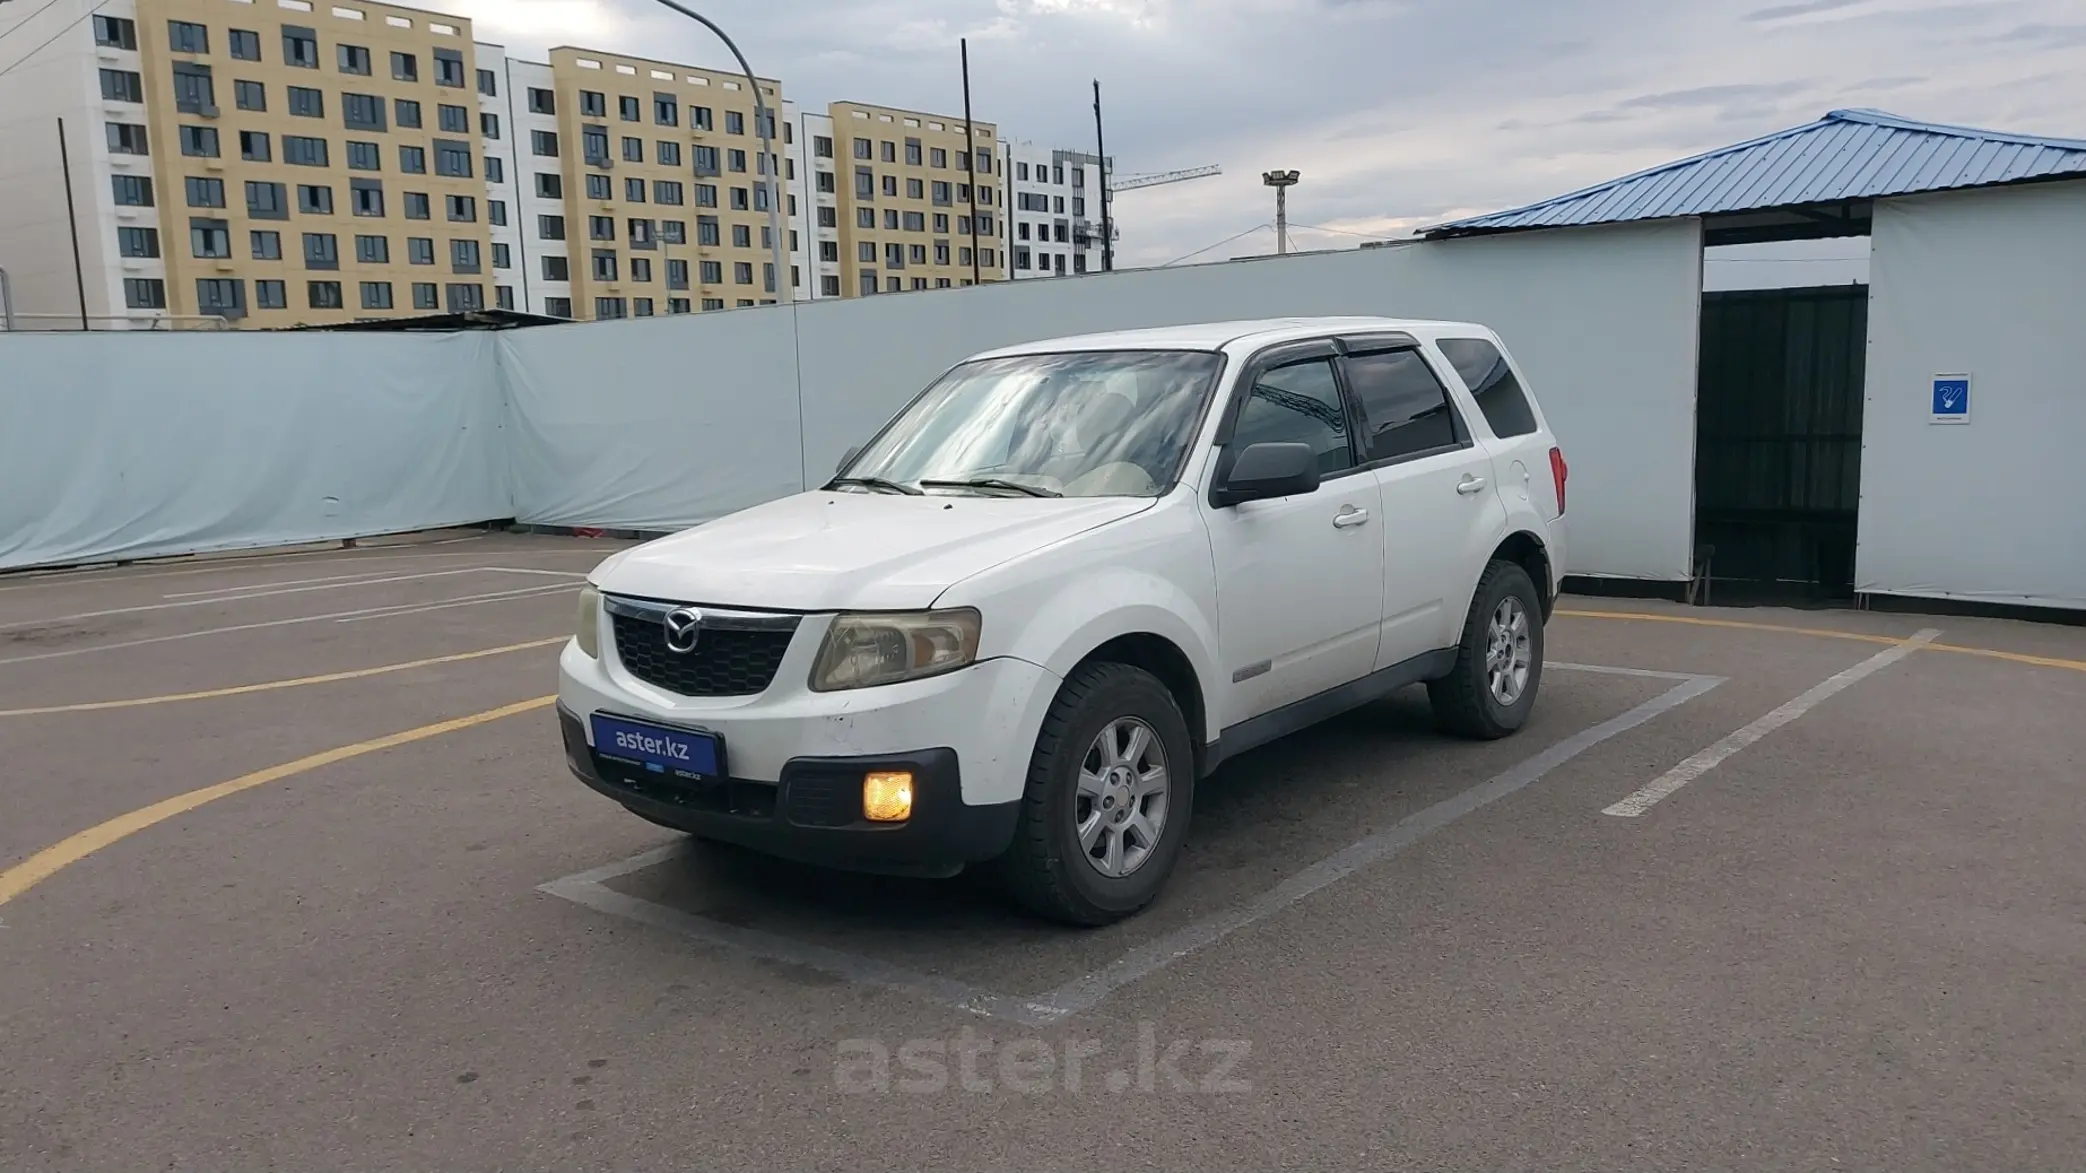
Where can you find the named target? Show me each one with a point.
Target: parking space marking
(369, 612)
(237, 595)
(274, 685)
(1829, 633)
(589, 888)
(1708, 759)
(53, 859)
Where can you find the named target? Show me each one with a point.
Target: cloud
(1784, 11)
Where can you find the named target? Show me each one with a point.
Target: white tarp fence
(140, 445)
(1991, 285)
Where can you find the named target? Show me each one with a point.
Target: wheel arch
(1165, 660)
(1526, 550)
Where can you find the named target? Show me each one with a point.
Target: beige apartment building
(907, 181)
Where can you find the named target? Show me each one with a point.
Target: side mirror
(847, 459)
(1262, 471)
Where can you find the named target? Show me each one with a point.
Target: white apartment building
(1053, 211)
(502, 179)
(538, 185)
(815, 202)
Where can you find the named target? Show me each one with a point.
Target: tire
(1047, 868)
(1465, 701)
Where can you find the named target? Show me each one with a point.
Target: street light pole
(1281, 181)
(763, 121)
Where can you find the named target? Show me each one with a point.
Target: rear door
(1519, 442)
(1441, 515)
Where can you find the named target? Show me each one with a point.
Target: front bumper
(813, 813)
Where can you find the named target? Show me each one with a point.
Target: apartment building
(1053, 211)
(816, 188)
(907, 184)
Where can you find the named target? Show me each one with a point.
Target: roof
(1214, 335)
(1846, 155)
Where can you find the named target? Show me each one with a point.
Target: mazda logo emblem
(683, 627)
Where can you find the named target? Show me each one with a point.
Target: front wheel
(1499, 662)
(1110, 788)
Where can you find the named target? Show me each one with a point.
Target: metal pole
(970, 154)
(6, 302)
(761, 118)
(1101, 166)
(1282, 221)
(79, 274)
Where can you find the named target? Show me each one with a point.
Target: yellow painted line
(272, 685)
(1828, 633)
(51, 860)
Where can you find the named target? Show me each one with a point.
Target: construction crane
(1133, 182)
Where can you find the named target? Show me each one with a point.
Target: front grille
(726, 661)
(727, 796)
(822, 796)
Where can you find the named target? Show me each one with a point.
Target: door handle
(1469, 485)
(1350, 517)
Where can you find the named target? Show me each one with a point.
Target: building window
(542, 101)
(916, 254)
(633, 190)
(742, 272)
(712, 303)
(742, 236)
(912, 152)
(223, 296)
(941, 252)
(205, 193)
(550, 227)
(633, 149)
(705, 195)
(503, 257)
(604, 264)
(488, 83)
(558, 307)
(193, 92)
(496, 210)
(453, 119)
(489, 126)
(315, 199)
(736, 160)
(366, 197)
(373, 250)
(250, 95)
(641, 234)
(122, 85)
(677, 274)
(322, 295)
(891, 219)
(265, 244)
(821, 147)
(825, 183)
(405, 67)
(417, 206)
(865, 217)
(550, 185)
(601, 228)
(828, 217)
(915, 189)
(867, 287)
(607, 308)
(126, 138)
(673, 231)
(187, 37)
(641, 270)
(303, 151)
(503, 296)
(420, 250)
(544, 143)
(556, 269)
(890, 185)
(353, 59)
(666, 191)
(365, 156)
(463, 256)
(271, 295)
(461, 209)
(426, 295)
(734, 122)
(641, 307)
(829, 286)
(598, 187)
(406, 112)
(376, 295)
(116, 32)
(412, 160)
(706, 231)
(362, 111)
(306, 102)
(593, 104)
(254, 146)
(144, 293)
(916, 221)
(449, 68)
(665, 110)
(137, 242)
(739, 202)
(890, 151)
(593, 145)
(452, 159)
(321, 250)
(712, 274)
(705, 160)
(699, 118)
(864, 149)
(300, 47)
(209, 239)
(669, 153)
(679, 305)
(626, 106)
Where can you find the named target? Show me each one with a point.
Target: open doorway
(1778, 443)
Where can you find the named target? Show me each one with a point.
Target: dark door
(1778, 440)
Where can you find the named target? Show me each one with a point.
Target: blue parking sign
(1951, 399)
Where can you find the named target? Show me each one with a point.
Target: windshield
(1103, 424)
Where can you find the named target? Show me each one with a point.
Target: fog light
(887, 797)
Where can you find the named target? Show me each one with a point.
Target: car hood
(834, 551)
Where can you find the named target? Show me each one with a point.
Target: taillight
(1558, 472)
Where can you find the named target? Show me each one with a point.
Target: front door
(1300, 578)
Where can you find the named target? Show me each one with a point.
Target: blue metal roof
(1846, 155)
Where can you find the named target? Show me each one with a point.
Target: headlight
(865, 650)
(587, 629)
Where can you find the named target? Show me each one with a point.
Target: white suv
(1069, 580)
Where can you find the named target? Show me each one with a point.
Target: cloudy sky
(1398, 112)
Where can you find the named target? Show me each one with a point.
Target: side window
(1492, 384)
(1299, 403)
(1405, 409)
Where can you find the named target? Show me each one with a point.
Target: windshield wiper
(875, 483)
(993, 483)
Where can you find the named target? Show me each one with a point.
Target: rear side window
(1299, 403)
(1405, 409)
(1492, 384)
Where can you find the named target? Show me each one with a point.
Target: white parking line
(375, 612)
(366, 576)
(1702, 763)
(260, 594)
(535, 570)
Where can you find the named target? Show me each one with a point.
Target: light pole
(1281, 181)
(763, 121)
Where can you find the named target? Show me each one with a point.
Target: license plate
(658, 749)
